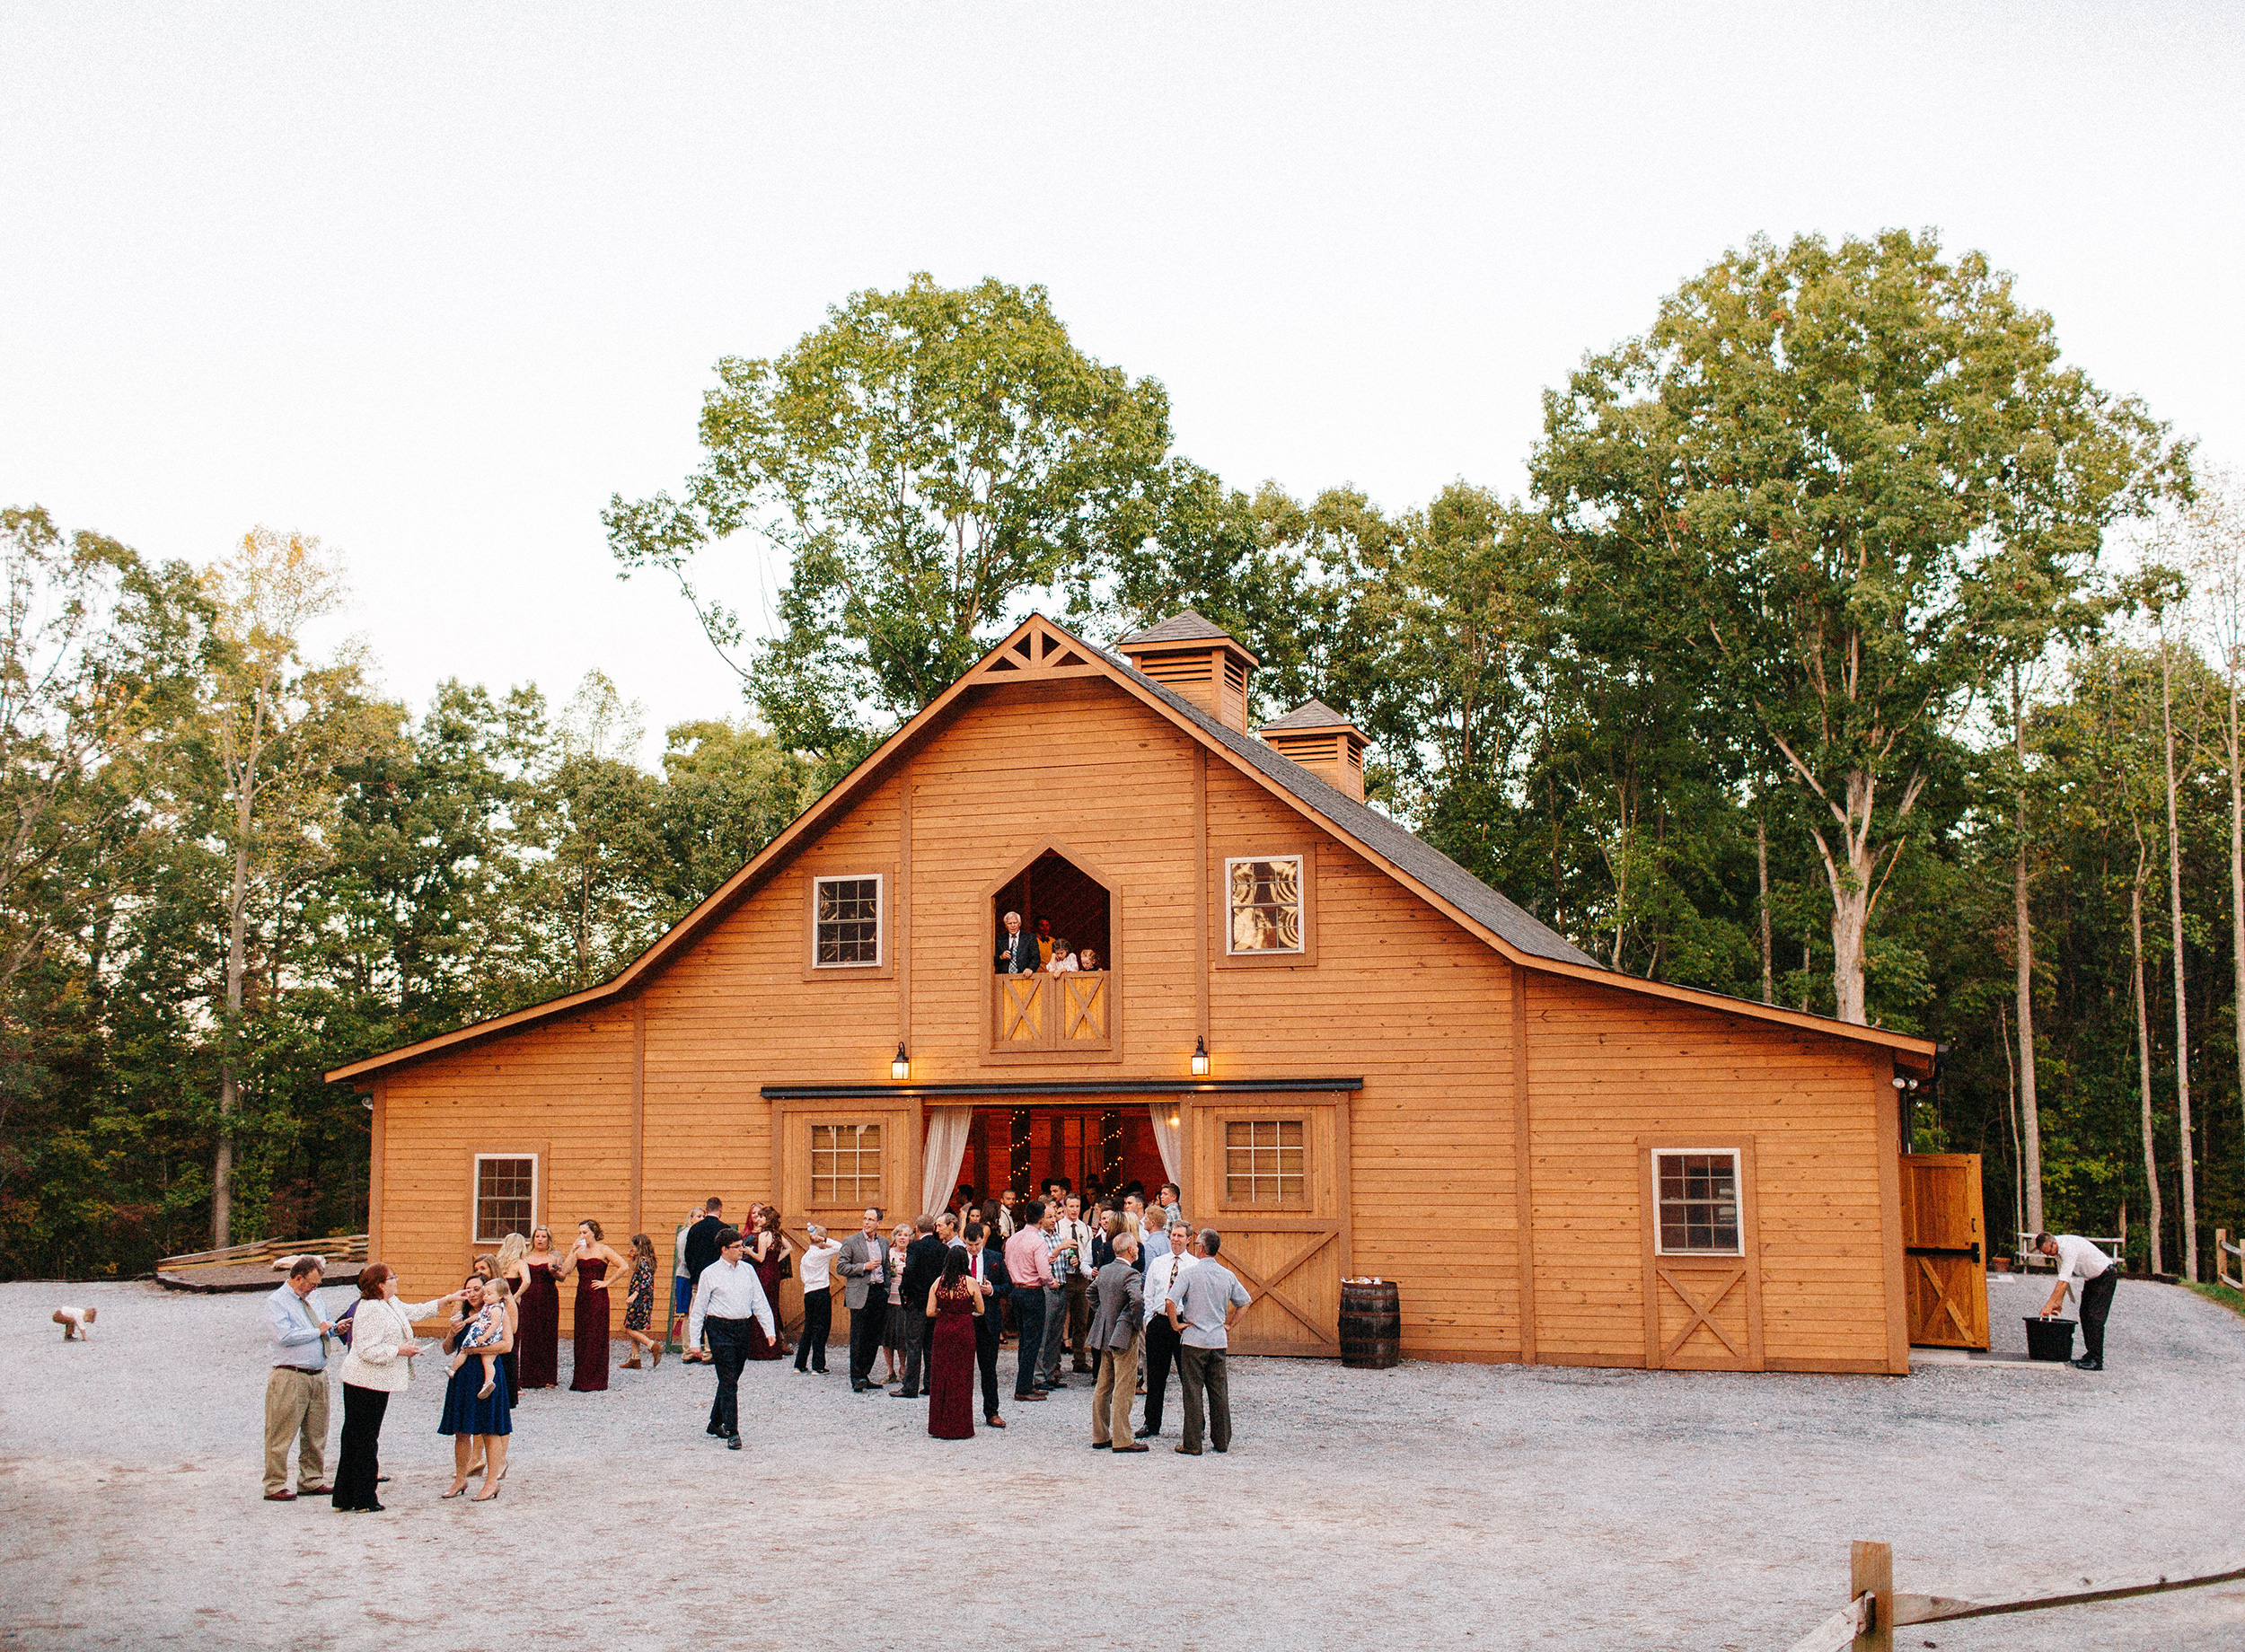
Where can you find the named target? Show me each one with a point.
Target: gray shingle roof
(1374, 830)
(1310, 714)
(1181, 627)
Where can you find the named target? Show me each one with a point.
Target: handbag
(787, 1267)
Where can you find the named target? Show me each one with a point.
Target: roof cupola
(1323, 742)
(1191, 657)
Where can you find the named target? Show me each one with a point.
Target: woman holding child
(380, 1364)
(476, 1411)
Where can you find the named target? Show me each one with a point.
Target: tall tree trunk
(2182, 1008)
(2022, 924)
(2011, 1112)
(1761, 867)
(229, 1050)
(2143, 1055)
(2236, 876)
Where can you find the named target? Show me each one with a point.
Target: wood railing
(2111, 1244)
(2223, 1251)
(1874, 1609)
(1073, 1011)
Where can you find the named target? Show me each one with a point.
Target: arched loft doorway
(1053, 890)
(1072, 1009)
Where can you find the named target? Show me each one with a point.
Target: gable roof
(1039, 648)
(1310, 714)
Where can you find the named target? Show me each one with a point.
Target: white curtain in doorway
(947, 1129)
(1166, 1138)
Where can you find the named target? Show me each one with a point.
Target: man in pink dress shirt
(1029, 1264)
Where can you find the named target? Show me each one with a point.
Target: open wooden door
(834, 1161)
(1945, 1279)
(1271, 1175)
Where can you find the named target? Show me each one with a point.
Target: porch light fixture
(902, 1068)
(1200, 1058)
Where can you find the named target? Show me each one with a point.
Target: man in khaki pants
(296, 1391)
(1117, 1325)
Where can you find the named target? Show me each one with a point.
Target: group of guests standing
(931, 1298)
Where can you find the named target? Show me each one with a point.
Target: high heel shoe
(492, 1496)
(459, 1490)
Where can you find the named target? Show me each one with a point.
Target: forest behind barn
(1841, 610)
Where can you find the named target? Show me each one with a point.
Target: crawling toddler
(77, 1323)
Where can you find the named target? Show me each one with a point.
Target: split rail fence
(1874, 1609)
(2223, 1251)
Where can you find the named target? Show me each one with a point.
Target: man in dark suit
(987, 1265)
(1016, 949)
(924, 1266)
(701, 1249)
(864, 1262)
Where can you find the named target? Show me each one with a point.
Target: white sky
(432, 282)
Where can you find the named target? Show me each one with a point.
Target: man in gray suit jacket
(1118, 1321)
(864, 1263)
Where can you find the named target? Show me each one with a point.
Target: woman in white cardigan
(379, 1365)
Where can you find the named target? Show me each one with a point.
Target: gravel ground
(1435, 1505)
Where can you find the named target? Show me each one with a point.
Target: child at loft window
(1063, 960)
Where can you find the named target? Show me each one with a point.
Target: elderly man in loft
(1017, 949)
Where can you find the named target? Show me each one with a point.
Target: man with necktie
(987, 1270)
(296, 1389)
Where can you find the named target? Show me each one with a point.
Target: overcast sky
(433, 282)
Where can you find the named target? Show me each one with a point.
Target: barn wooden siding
(639, 1109)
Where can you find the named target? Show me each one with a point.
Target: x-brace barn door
(1272, 1177)
(1703, 1305)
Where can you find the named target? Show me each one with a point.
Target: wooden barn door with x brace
(1703, 1273)
(1271, 1176)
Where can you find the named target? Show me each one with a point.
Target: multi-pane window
(1263, 1161)
(847, 922)
(1699, 1202)
(845, 1165)
(507, 1190)
(1265, 901)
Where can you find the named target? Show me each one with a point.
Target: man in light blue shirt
(296, 1389)
(1205, 1302)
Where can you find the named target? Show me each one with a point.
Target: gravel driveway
(1445, 1506)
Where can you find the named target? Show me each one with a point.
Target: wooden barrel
(1371, 1324)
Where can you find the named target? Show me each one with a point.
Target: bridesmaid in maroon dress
(596, 1266)
(538, 1345)
(769, 1249)
(953, 1305)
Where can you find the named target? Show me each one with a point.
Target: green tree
(1801, 480)
(926, 460)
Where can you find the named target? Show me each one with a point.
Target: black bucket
(2049, 1339)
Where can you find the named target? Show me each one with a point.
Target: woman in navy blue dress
(479, 1426)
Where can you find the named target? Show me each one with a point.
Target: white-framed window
(1263, 1161)
(845, 1165)
(1263, 904)
(846, 922)
(1698, 1194)
(507, 1196)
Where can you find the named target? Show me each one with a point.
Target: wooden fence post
(1871, 1566)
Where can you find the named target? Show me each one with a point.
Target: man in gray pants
(1204, 1304)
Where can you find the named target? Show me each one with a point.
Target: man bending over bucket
(2080, 1260)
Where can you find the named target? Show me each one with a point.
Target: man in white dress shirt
(1162, 1336)
(726, 1299)
(2079, 1259)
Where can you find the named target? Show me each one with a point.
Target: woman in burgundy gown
(538, 1347)
(596, 1266)
(768, 1250)
(953, 1305)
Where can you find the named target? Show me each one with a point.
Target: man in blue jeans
(1029, 1265)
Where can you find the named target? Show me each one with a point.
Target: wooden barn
(1354, 1057)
